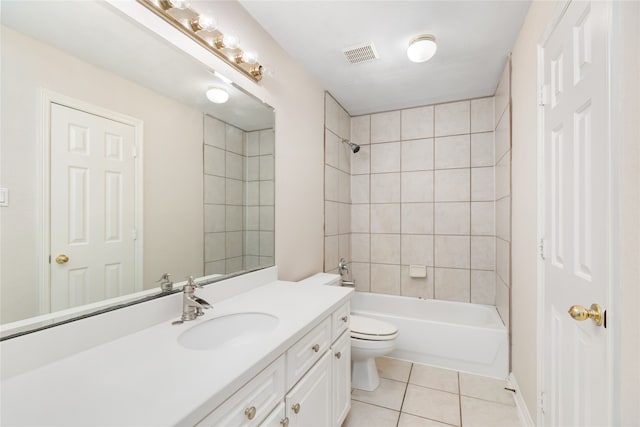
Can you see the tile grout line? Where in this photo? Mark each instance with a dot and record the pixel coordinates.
(404, 396)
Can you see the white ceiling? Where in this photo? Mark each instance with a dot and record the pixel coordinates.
(474, 39)
(112, 41)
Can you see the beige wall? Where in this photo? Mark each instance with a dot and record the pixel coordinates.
(524, 200)
(173, 219)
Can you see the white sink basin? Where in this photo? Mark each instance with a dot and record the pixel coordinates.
(231, 329)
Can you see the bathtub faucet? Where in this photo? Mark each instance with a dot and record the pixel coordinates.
(342, 266)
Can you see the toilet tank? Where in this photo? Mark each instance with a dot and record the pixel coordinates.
(322, 279)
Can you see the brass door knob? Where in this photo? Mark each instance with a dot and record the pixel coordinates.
(338, 355)
(316, 348)
(578, 312)
(296, 408)
(62, 259)
(285, 422)
(250, 412)
(344, 319)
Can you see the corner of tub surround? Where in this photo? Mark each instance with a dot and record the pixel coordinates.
(24, 353)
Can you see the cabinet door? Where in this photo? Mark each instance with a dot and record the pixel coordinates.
(341, 377)
(309, 402)
(276, 418)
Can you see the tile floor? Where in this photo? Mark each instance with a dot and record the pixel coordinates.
(415, 395)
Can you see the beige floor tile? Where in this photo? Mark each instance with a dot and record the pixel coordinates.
(393, 369)
(389, 394)
(433, 404)
(429, 376)
(485, 388)
(365, 415)
(408, 420)
(482, 413)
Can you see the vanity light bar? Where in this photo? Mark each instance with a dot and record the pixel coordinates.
(180, 15)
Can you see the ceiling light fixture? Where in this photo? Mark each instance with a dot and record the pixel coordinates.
(422, 48)
(217, 95)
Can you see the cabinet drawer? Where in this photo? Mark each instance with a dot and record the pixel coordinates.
(253, 402)
(340, 320)
(303, 354)
(276, 418)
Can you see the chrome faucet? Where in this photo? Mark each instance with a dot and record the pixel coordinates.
(342, 266)
(192, 306)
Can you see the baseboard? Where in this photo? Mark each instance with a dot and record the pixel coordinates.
(523, 411)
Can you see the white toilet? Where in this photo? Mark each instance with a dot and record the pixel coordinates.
(370, 338)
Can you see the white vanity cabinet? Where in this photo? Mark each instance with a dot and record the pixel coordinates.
(309, 402)
(341, 378)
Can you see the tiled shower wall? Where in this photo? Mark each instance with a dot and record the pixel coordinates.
(337, 190)
(422, 193)
(238, 198)
(503, 193)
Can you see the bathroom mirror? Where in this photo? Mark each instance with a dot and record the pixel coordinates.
(116, 168)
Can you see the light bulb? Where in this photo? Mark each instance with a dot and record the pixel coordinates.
(206, 23)
(422, 48)
(217, 95)
(230, 42)
(250, 57)
(179, 4)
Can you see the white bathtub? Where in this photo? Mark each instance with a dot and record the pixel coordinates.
(454, 335)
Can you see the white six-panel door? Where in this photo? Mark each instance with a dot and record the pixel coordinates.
(577, 216)
(92, 213)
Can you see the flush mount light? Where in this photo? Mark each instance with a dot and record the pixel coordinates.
(217, 95)
(422, 48)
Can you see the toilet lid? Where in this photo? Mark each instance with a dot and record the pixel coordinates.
(371, 329)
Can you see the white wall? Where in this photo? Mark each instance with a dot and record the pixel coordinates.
(524, 200)
(173, 219)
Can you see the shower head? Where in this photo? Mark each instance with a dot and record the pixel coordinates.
(354, 147)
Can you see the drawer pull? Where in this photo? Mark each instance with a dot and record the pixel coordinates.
(338, 355)
(296, 408)
(344, 318)
(250, 412)
(316, 348)
(285, 422)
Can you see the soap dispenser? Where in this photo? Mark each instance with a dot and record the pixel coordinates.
(166, 284)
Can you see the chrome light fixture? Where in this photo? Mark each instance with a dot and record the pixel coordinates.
(422, 48)
(204, 30)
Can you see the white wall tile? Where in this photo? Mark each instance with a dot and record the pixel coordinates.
(344, 187)
(453, 152)
(267, 193)
(452, 284)
(385, 218)
(452, 251)
(215, 267)
(385, 187)
(344, 246)
(214, 189)
(452, 118)
(267, 243)
(345, 156)
(214, 132)
(252, 169)
(267, 168)
(331, 144)
(233, 265)
(344, 123)
(361, 130)
(344, 218)
(421, 287)
(416, 249)
(234, 191)
(234, 218)
(331, 113)
(214, 246)
(252, 220)
(417, 155)
(385, 127)
(214, 218)
(360, 218)
(361, 161)
(360, 247)
(417, 218)
(482, 219)
(385, 248)
(483, 252)
(503, 177)
(483, 287)
(251, 262)
(234, 244)
(234, 166)
(453, 218)
(482, 116)
(502, 301)
(482, 184)
(252, 143)
(331, 252)
(417, 123)
(503, 218)
(503, 263)
(482, 146)
(252, 242)
(417, 186)
(235, 139)
(502, 93)
(359, 188)
(385, 279)
(452, 185)
(267, 218)
(332, 184)
(385, 157)
(360, 272)
(252, 196)
(503, 136)
(214, 161)
(267, 142)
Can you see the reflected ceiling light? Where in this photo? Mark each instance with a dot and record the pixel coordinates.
(422, 48)
(217, 95)
(179, 4)
(246, 57)
(205, 23)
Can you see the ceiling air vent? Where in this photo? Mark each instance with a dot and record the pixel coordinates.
(361, 53)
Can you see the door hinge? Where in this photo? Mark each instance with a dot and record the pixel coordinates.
(543, 95)
(542, 249)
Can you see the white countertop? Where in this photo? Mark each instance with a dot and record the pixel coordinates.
(147, 378)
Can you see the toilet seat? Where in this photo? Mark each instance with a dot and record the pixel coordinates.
(365, 328)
